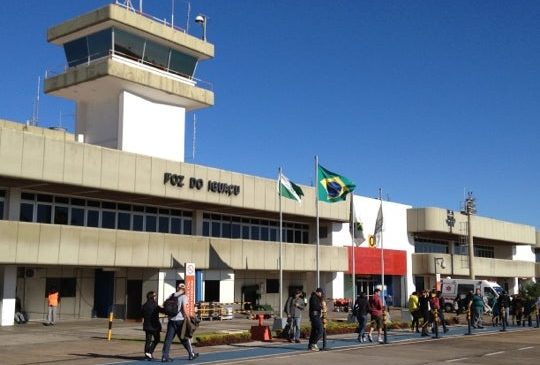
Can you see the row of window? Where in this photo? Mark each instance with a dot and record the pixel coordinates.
(2, 199)
(218, 225)
(129, 45)
(422, 245)
(44, 208)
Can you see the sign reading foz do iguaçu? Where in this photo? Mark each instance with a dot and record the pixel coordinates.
(198, 184)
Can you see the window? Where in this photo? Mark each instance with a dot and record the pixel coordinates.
(44, 208)
(216, 225)
(484, 251)
(76, 51)
(2, 198)
(129, 45)
(156, 54)
(61, 214)
(27, 212)
(272, 286)
(99, 44)
(422, 245)
(44, 213)
(182, 63)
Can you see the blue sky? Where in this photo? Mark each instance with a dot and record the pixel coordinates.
(424, 99)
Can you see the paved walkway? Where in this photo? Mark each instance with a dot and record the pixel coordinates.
(262, 350)
(84, 342)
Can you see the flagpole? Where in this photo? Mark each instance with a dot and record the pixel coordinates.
(317, 213)
(382, 252)
(280, 249)
(353, 218)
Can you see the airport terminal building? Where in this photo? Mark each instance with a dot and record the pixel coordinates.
(112, 211)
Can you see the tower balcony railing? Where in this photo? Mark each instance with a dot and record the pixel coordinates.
(133, 61)
(127, 5)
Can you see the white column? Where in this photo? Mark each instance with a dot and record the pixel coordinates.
(8, 285)
(167, 283)
(515, 288)
(338, 286)
(13, 204)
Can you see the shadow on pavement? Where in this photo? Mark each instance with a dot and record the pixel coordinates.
(107, 356)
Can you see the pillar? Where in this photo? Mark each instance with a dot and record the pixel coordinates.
(8, 286)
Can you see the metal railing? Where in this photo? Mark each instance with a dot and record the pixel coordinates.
(149, 16)
(94, 58)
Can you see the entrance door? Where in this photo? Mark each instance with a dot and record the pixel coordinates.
(211, 290)
(134, 299)
(365, 285)
(103, 292)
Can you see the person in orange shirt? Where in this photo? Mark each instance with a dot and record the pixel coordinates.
(53, 298)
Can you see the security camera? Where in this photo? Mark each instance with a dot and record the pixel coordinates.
(443, 265)
(200, 19)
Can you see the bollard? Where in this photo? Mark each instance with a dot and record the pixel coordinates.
(435, 322)
(468, 322)
(109, 332)
(504, 318)
(385, 333)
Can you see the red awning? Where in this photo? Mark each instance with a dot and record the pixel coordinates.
(368, 261)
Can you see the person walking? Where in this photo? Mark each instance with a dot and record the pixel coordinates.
(423, 304)
(518, 308)
(174, 327)
(537, 311)
(151, 324)
(362, 309)
(53, 299)
(478, 309)
(414, 309)
(294, 308)
(315, 313)
(504, 307)
(442, 304)
(377, 308)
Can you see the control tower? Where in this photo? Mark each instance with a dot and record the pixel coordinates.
(132, 78)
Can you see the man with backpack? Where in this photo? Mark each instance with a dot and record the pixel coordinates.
(294, 308)
(176, 315)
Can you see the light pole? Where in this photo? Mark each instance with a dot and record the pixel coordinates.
(469, 210)
(440, 261)
(201, 19)
(450, 220)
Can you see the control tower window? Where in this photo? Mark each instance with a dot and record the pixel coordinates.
(182, 63)
(76, 51)
(99, 44)
(128, 45)
(157, 55)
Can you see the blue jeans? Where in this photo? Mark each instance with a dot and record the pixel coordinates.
(173, 329)
(362, 321)
(295, 328)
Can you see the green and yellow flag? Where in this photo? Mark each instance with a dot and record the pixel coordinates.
(333, 187)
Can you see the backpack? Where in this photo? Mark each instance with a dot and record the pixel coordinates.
(170, 306)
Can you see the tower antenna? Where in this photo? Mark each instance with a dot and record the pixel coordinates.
(35, 109)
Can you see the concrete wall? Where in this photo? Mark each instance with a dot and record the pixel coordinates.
(46, 244)
(457, 265)
(434, 220)
(55, 160)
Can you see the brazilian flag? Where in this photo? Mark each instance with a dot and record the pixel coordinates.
(333, 187)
